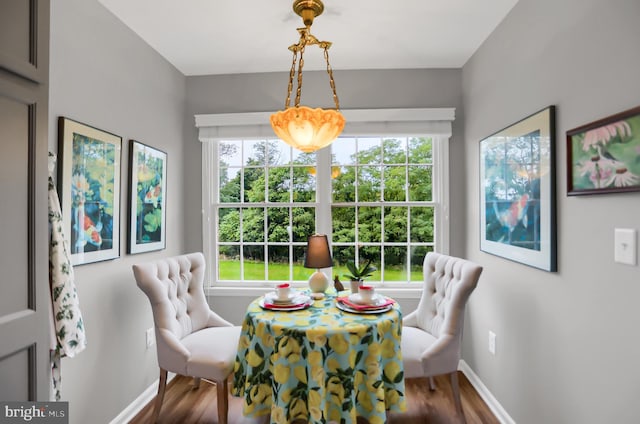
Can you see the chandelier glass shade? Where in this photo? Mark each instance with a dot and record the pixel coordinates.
(305, 128)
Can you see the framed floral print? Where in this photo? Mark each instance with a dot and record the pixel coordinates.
(517, 192)
(147, 198)
(604, 156)
(89, 186)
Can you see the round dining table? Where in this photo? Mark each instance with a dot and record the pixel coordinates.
(320, 364)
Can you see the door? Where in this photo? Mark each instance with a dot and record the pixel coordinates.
(24, 281)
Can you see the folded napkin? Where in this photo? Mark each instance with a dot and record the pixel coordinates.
(359, 307)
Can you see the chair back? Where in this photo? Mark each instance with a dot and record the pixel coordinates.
(448, 283)
(174, 287)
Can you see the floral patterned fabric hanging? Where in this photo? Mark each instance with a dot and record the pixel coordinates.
(67, 317)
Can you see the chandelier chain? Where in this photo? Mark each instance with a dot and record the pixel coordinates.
(332, 83)
(292, 72)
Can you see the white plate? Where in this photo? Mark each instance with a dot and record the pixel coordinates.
(273, 307)
(296, 298)
(346, 308)
(375, 300)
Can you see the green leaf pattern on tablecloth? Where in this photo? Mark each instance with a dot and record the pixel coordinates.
(320, 364)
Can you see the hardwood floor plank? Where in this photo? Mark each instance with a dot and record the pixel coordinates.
(185, 405)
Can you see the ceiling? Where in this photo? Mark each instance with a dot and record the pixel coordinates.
(201, 37)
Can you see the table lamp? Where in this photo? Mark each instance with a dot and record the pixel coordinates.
(318, 256)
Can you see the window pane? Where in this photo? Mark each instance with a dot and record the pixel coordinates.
(228, 225)
(421, 224)
(373, 253)
(342, 254)
(304, 223)
(229, 263)
(369, 178)
(302, 157)
(300, 273)
(344, 185)
(254, 184)
(280, 184)
(229, 153)
(344, 224)
(420, 150)
(278, 263)
(394, 151)
(369, 228)
(369, 151)
(229, 184)
(395, 263)
(420, 183)
(278, 153)
(395, 224)
(278, 225)
(254, 152)
(253, 225)
(417, 260)
(343, 151)
(254, 264)
(304, 184)
(395, 183)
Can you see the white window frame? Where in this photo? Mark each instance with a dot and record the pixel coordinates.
(433, 122)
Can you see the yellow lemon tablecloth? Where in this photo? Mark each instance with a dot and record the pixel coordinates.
(320, 364)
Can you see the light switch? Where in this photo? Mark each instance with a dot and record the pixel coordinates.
(625, 246)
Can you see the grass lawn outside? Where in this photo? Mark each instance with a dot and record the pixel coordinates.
(255, 271)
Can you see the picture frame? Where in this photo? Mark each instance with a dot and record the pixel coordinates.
(517, 192)
(89, 187)
(147, 198)
(604, 156)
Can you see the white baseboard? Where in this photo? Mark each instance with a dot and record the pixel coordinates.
(140, 402)
(485, 394)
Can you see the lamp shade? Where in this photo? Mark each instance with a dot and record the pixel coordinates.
(307, 129)
(318, 254)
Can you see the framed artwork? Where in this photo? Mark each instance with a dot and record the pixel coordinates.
(147, 198)
(89, 187)
(604, 156)
(517, 192)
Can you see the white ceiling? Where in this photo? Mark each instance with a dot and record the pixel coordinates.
(201, 37)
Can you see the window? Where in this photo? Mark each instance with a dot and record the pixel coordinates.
(379, 197)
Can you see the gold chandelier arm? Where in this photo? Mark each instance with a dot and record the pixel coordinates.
(292, 72)
(332, 82)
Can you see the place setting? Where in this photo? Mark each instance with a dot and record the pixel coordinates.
(365, 301)
(285, 298)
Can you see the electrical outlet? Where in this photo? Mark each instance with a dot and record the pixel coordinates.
(492, 342)
(150, 337)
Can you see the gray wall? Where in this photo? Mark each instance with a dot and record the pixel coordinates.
(103, 75)
(567, 346)
(357, 90)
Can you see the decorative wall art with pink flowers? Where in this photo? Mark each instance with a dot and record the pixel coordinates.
(604, 156)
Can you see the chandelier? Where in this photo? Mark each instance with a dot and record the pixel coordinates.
(302, 127)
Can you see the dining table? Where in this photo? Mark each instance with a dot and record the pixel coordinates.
(320, 363)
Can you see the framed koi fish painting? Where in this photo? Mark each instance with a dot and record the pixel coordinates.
(517, 192)
(147, 198)
(89, 187)
(604, 156)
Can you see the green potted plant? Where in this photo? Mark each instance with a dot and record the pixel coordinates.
(358, 274)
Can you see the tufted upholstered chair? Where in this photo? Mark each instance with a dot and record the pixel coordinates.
(432, 334)
(191, 339)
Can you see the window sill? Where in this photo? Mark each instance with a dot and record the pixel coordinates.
(230, 291)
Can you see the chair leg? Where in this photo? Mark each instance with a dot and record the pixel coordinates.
(223, 401)
(455, 387)
(196, 382)
(162, 384)
(432, 384)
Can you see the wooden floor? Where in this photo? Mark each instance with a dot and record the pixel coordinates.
(186, 406)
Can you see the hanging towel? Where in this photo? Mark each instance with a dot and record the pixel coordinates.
(66, 316)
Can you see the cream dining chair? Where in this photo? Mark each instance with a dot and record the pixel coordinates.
(432, 334)
(191, 339)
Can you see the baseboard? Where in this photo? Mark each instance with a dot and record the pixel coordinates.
(485, 394)
(140, 402)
